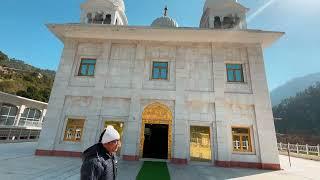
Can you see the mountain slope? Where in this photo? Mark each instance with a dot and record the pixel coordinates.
(25, 80)
(292, 87)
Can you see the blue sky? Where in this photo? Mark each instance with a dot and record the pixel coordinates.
(23, 34)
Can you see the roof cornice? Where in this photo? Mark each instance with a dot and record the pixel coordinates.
(199, 35)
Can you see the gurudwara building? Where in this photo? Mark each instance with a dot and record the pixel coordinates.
(174, 93)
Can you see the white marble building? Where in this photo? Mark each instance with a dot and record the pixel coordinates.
(20, 118)
(175, 93)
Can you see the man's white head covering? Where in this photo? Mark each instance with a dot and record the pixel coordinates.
(110, 135)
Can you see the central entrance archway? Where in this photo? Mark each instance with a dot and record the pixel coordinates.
(156, 132)
(155, 141)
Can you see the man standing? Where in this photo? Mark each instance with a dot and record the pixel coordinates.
(99, 161)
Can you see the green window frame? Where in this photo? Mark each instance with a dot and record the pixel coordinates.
(87, 67)
(235, 73)
(160, 70)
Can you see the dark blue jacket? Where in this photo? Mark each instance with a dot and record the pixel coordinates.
(98, 164)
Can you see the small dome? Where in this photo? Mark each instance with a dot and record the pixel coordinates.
(164, 21)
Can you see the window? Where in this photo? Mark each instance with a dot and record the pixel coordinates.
(107, 20)
(87, 67)
(98, 19)
(160, 70)
(8, 115)
(74, 130)
(241, 140)
(235, 73)
(89, 18)
(217, 22)
(200, 146)
(30, 117)
(228, 22)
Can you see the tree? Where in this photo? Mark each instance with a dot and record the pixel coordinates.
(3, 57)
(300, 114)
(25, 80)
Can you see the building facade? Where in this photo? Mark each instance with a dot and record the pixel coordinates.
(174, 93)
(20, 118)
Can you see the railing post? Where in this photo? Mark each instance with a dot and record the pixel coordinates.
(8, 138)
(280, 146)
(29, 134)
(307, 149)
(318, 149)
(288, 150)
(18, 138)
(297, 146)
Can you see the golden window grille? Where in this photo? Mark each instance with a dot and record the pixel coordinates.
(74, 130)
(241, 139)
(200, 143)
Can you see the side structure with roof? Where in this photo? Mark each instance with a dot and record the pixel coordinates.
(21, 118)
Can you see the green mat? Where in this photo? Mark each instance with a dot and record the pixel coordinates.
(154, 171)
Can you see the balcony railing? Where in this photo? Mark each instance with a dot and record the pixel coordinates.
(10, 122)
(15, 134)
(30, 124)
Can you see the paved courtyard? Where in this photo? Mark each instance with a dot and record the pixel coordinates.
(18, 162)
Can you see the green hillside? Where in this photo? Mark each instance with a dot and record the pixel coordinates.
(300, 114)
(25, 80)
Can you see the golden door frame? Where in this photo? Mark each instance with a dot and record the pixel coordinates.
(156, 113)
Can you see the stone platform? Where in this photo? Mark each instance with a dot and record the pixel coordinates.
(17, 161)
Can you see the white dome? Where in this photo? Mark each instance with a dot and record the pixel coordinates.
(164, 21)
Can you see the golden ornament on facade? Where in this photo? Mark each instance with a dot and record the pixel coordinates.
(158, 112)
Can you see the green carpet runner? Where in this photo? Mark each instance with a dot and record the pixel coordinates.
(154, 171)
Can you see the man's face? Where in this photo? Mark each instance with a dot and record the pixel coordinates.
(112, 146)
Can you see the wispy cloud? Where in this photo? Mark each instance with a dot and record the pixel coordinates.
(260, 10)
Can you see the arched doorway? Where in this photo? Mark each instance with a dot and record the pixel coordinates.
(156, 132)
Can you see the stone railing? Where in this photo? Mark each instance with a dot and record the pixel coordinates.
(300, 149)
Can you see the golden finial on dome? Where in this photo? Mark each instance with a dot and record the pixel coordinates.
(165, 11)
